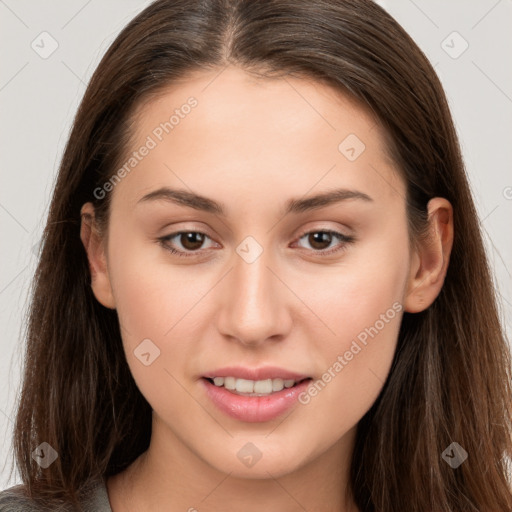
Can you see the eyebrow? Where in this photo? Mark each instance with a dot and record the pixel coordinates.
(198, 202)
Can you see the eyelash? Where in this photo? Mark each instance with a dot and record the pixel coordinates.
(346, 239)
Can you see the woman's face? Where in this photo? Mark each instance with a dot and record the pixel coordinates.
(259, 292)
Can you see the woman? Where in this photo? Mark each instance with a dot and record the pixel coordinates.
(263, 283)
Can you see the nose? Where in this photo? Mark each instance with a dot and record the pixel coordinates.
(254, 302)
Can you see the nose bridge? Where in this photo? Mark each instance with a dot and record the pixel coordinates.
(254, 306)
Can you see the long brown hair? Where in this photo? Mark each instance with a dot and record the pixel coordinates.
(450, 378)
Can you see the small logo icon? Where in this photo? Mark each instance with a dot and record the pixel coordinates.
(249, 249)
(454, 45)
(44, 45)
(44, 455)
(249, 454)
(454, 455)
(351, 147)
(146, 352)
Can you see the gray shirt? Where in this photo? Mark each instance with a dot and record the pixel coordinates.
(14, 499)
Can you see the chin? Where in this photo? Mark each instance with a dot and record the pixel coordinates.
(257, 459)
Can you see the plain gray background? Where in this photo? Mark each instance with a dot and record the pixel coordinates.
(39, 95)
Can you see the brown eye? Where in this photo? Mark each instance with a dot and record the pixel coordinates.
(191, 240)
(320, 239)
(184, 243)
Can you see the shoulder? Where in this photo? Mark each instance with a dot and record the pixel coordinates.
(14, 499)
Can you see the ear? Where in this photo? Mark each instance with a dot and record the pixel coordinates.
(430, 260)
(94, 247)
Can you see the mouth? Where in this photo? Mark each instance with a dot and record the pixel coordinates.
(255, 388)
(254, 396)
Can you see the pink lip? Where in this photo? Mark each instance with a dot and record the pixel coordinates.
(267, 372)
(254, 409)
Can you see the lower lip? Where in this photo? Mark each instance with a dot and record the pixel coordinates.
(254, 409)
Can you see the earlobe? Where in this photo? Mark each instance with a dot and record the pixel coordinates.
(94, 247)
(430, 261)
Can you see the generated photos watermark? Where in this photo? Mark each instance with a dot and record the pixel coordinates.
(157, 135)
(356, 347)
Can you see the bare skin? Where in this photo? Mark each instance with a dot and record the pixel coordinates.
(253, 145)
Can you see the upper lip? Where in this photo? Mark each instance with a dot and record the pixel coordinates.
(266, 372)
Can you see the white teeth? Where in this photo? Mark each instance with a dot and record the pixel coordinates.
(258, 387)
(244, 386)
(229, 382)
(277, 384)
(263, 386)
(218, 381)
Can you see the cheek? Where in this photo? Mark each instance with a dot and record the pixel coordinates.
(161, 301)
(153, 302)
(151, 294)
(353, 295)
(362, 305)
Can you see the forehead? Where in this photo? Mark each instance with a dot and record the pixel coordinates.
(238, 134)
